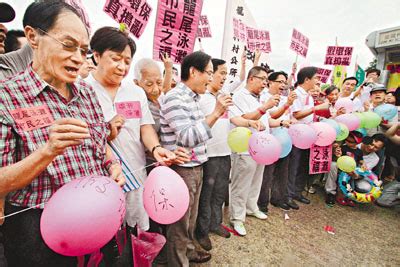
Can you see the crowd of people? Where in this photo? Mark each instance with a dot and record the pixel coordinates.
(60, 94)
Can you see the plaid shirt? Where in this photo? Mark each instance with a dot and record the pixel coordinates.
(183, 124)
(27, 90)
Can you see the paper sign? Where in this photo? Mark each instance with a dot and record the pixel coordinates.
(338, 55)
(320, 159)
(129, 109)
(176, 28)
(299, 43)
(135, 14)
(204, 30)
(33, 117)
(258, 39)
(324, 74)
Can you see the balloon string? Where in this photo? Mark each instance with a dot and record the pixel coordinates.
(20, 211)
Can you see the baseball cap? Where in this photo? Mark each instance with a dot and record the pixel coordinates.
(378, 87)
(7, 13)
(357, 136)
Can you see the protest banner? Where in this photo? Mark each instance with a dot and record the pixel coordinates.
(299, 43)
(176, 28)
(338, 55)
(324, 74)
(237, 18)
(204, 30)
(320, 159)
(258, 39)
(134, 14)
(359, 74)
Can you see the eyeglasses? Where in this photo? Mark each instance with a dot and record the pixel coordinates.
(281, 82)
(261, 78)
(209, 72)
(68, 47)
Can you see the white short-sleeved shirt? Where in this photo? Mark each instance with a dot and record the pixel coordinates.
(304, 101)
(128, 140)
(357, 105)
(246, 102)
(217, 146)
(265, 95)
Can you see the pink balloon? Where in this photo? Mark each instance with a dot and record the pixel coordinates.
(165, 196)
(303, 136)
(345, 103)
(264, 148)
(350, 120)
(83, 215)
(326, 134)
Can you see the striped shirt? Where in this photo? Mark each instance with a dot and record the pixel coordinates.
(183, 124)
(27, 90)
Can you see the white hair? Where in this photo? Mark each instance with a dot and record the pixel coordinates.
(143, 64)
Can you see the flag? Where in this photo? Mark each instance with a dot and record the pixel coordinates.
(360, 75)
(339, 74)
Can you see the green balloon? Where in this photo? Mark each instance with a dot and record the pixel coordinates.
(238, 139)
(361, 117)
(346, 163)
(371, 119)
(344, 132)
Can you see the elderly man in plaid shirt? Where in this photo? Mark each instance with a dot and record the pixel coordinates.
(52, 130)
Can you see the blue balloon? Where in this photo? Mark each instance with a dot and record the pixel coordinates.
(284, 139)
(334, 124)
(386, 111)
(363, 131)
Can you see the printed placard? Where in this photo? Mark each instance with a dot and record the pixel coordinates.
(320, 159)
(129, 109)
(32, 118)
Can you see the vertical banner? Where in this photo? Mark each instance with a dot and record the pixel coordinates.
(237, 18)
(299, 43)
(324, 74)
(258, 39)
(320, 159)
(338, 75)
(135, 14)
(176, 28)
(338, 55)
(204, 30)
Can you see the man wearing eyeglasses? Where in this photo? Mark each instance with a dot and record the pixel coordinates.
(52, 130)
(276, 175)
(184, 124)
(246, 178)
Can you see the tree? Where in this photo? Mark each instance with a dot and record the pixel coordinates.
(372, 65)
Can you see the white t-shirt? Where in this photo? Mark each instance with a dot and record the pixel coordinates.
(246, 102)
(304, 101)
(265, 95)
(217, 146)
(357, 105)
(128, 140)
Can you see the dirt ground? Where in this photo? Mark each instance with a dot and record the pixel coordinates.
(366, 235)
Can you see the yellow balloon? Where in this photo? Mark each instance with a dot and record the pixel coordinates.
(238, 139)
(346, 163)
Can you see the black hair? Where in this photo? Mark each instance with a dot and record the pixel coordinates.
(274, 75)
(378, 72)
(256, 70)
(43, 14)
(197, 60)
(11, 43)
(217, 62)
(397, 96)
(173, 68)
(380, 137)
(330, 89)
(351, 78)
(307, 72)
(110, 38)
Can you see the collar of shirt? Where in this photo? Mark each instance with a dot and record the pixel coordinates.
(301, 90)
(186, 89)
(34, 78)
(252, 94)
